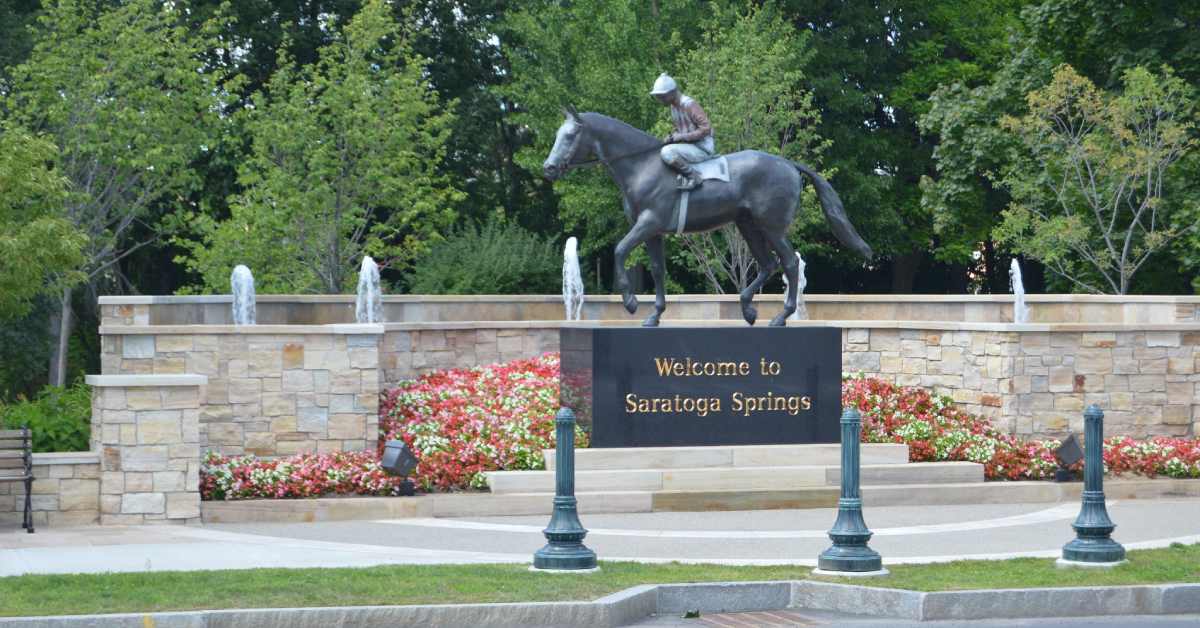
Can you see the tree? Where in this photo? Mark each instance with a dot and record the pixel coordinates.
(122, 91)
(41, 250)
(1088, 185)
(747, 71)
(1101, 41)
(343, 164)
(598, 55)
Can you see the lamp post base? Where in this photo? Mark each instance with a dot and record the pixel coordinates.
(554, 557)
(1094, 550)
(843, 559)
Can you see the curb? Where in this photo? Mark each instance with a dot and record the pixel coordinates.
(1151, 599)
(637, 603)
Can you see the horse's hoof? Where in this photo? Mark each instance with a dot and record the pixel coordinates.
(779, 321)
(651, 321)
(750, 314)
(631, 304)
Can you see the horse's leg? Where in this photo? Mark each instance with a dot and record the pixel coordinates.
(658, 269)
(645, 228)
(791, 268)
(754, 238)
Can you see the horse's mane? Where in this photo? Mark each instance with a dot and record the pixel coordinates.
(614, 127)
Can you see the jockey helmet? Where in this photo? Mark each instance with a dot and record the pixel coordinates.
(664, 84)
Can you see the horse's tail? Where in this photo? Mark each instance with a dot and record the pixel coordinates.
(835, 214)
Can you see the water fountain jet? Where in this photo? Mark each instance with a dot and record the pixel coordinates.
(1020, 310)
(572, 281)
(242, 284)
(801, 313)
(368, 305)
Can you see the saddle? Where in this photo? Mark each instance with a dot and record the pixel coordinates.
(715, 168)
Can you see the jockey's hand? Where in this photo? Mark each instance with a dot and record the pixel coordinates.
(670, 138)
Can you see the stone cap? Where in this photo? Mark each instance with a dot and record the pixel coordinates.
(146, 381)
(67, 457)
(672, 298)
(337, 329)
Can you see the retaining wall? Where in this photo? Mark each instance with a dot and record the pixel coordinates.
(278, 390)
(272, 389)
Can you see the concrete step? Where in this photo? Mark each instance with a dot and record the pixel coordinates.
(726, 456)
(735, 478)
(475, 504)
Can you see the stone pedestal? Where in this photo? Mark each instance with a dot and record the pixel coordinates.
(146, 429)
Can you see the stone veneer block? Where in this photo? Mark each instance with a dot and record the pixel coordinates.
(135, 347)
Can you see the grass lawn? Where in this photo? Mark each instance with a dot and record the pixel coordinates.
(266, 588)
(1178, 563)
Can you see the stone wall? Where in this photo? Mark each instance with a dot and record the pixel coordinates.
(66, 491)
(283, 389)
(1037, 383)
(146, 429)
(272, 390)
(408, 351)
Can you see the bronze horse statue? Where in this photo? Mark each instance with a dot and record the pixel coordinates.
(760, 198)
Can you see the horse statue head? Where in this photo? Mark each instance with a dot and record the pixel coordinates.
(572, 146)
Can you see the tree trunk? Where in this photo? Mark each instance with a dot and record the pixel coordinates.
(61, 329)
(904, 272)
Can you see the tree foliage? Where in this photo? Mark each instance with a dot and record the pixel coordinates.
(1090, 180)
(41, 250)
(343, 164)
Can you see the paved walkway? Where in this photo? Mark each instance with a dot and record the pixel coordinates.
(902, 534)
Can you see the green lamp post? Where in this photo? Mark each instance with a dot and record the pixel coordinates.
(1093, 545)
(849, 555)
(564, 550)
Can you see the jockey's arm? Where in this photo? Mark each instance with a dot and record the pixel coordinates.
(700, 119)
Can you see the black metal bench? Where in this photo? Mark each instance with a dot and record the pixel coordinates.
(16, 465)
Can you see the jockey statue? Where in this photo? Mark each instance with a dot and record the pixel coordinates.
(692, 140)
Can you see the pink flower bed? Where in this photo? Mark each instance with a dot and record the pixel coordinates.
(935, 429)
(461, 423)
(305, 475)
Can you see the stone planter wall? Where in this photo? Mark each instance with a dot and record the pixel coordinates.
(410, 350)
(283, 389)
(272, 389)
(1036, 382)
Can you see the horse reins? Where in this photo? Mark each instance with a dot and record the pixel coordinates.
(605, 160)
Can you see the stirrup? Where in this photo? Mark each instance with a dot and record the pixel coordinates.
(687, 183)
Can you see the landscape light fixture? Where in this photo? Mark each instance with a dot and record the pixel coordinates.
(1067, 455)
(399, 460)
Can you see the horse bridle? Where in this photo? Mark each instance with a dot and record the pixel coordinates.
(600, 160)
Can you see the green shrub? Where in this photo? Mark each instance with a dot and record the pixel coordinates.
(500, 258)
(60, 418)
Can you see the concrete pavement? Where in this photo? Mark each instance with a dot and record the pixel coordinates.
(903, 534)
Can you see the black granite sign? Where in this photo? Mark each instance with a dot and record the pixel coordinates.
(678, 386)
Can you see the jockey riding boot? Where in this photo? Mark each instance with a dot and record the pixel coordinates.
(689, 179)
